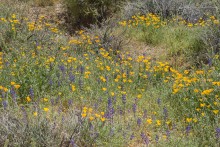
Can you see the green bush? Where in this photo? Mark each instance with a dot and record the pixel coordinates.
(86, 12)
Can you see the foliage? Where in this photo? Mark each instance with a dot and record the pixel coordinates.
(86, 12)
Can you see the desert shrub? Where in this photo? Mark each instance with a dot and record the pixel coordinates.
(86, 12)
(164, 8)
(189, 10)
(110, 39)
(211, 38)
(43, 3)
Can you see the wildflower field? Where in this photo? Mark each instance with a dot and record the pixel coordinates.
(82, 90)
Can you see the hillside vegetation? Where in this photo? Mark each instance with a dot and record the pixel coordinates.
(109, 73)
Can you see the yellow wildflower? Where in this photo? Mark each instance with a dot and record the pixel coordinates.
(215, 111)
(149, 121)
(13, 83)
(97, 115)
(73, 88)
(158, 122)
(139, 96)
(35, 113)
(46, 99)
(91, 118)
(102, 113)
(46, 109)
(102, 119)
(207, 92)
(202, 105)
(196, 90)
(83, 115)
(104, 89)
(188, 120)
(28, 99)
(17, 86)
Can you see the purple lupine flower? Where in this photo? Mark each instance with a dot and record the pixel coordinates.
(95, 106)
(145, 114)
(107, 79)
(3, 94)
(81, 69)
(63, 119)
(110, 109)
(217, 133)
(25, 117)
(70, 102)
(71, 77)
(124, 99)
(210, 61)
(13, 94)
(128, 74)
(59, 83)
(7, 63)
(109, 103)
(158, 101)
(188, 128)
(50, 82)
(134, 108)
(120, 110)
(31, 92)
(52, 102)
(168, 134)
(62, 68)
(132, 136)
(57, 99)
(139, 122)
(118, 57)
(145, 138)
(129, 110)
(5, 104)
(80, 83)
(72, 143)
(157, 138)
(165, 112)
